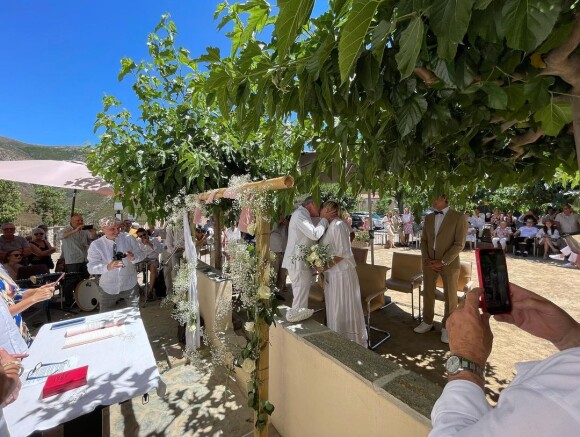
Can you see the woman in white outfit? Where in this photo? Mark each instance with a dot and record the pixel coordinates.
(344, 312)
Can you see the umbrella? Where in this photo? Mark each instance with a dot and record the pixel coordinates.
(73, 175)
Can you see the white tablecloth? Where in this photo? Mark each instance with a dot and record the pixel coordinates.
(120, 368)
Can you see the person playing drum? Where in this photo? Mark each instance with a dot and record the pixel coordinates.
(113, 256)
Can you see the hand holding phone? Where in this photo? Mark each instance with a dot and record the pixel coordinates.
(493, 278)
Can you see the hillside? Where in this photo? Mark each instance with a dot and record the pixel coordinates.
(92, 205)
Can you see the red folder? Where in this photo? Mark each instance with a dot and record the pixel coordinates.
(64, 381)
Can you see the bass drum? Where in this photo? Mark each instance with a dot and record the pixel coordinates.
(87, 294)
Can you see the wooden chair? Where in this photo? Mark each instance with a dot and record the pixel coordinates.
(372, 293)
(464, 282)
(360, 254)
(406, 276)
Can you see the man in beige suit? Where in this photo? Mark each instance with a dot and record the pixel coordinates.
(443, 238)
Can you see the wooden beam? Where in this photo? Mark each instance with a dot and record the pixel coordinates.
(281, 183)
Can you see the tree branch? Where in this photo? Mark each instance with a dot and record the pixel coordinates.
(518, 143)
(426, 76)
(560, 54)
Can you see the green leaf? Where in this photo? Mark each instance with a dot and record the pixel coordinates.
(353, 34)
(529, 22)
(410, 46)
(320, 56)
(537, 91)
(489, 23)
(554, 117)
(496, 96)
(450, 18)
(379, 38)
(481, 4)
(556, 38)
(212, 55)
(268, 407)
(293, 15)
(127, 65)
(410, 114)
(444, 71)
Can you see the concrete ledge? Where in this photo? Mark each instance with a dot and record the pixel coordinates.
(325, 385)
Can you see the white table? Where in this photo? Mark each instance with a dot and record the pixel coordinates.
(120, 368)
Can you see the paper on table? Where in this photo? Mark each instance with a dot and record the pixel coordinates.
(93, 326)
(41, 371)
(92, 336)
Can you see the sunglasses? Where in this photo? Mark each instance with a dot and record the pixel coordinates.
(9, 229)
(19, 255)
(39, 233)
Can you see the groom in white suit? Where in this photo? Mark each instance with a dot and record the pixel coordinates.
(301, 231)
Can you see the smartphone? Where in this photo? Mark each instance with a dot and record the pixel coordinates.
(493, 278)
(87, 227)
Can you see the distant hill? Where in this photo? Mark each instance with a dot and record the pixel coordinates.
(92, 205)
(13, 150)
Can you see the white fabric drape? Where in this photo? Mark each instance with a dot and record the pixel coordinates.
(192, 338)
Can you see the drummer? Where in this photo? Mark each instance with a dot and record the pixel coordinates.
(113, 256)
(153, 248)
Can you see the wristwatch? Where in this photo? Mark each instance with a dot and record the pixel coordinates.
(456, 364)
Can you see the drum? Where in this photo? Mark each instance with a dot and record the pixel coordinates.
(87, 294)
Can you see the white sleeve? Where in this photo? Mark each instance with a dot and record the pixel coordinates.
(306, 226)
(169, 240)
(462, 404)
(136, 249)
(97, 265)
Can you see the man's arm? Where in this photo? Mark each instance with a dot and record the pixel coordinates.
(72, 231)
(424, 244)
(138, 254)
(458, 241)
(305, 225)
(97, 265)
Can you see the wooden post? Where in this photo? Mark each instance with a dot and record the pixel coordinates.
(217, 239)
(263, 364)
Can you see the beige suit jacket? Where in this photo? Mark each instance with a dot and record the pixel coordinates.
(450, 239)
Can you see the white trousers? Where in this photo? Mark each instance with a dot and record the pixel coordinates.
(301, 282)
(573, 256)
(501, 241)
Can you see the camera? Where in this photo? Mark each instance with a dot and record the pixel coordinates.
(118, 256)
(87, 227)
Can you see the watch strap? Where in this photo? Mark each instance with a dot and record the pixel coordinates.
(470, 366)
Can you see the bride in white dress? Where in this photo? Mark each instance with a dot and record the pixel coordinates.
(344, 311)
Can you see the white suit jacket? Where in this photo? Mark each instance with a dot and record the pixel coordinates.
(301, 231)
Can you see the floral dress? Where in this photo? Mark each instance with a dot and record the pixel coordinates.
(12, 294)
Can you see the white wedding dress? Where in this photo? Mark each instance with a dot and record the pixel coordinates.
(344, 312)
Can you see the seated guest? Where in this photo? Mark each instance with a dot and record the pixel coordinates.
(41, 249)
(551, 213)
(495, 219)
(9, 241)
(200, 237)
(573, 258)
(530, 215)
(568, 222)
(19, 300)
(501, 235)
(471, 232)
(510, 220)
(12, 263)
(526, 234)
(152, 248)
(477, 221)
(548, 237)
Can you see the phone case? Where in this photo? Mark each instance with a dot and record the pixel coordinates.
(480, 278)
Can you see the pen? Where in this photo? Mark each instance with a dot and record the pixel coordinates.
(67, 323)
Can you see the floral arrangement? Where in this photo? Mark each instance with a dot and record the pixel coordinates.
(316, 256)
(362, 236)
(184, 310)
(253, 278)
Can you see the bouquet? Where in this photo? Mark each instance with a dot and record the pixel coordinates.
(316, 256)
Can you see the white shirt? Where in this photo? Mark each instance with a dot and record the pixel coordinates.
(542, 400)
(175, 238)
(101, 253)
(151, 252)
(301, 232)
(438, 220)
(476, 221)
(233, 234)
(528, 231)
(569, 223)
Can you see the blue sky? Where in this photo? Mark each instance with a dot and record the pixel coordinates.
(59, 57)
